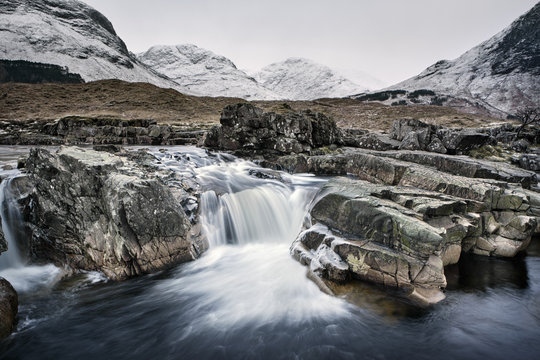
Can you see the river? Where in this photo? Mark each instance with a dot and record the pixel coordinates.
(247, 298)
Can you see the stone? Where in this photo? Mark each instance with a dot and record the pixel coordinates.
(463, 140)
(410, 142)
(9, 303)
(436, 146)
(246, 128)
(90, 211)
(376, 141)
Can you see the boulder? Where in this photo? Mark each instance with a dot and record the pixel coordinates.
(9, 303)
(245, 127)
(463, 140)
(90, 210)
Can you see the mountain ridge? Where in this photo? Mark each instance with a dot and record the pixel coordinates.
(500, 73)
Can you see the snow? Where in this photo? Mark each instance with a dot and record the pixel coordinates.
(64, 33)
(204, 73)
(303, 79)
(471, 77)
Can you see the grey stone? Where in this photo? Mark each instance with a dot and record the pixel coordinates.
(90, 210)
(247, 128)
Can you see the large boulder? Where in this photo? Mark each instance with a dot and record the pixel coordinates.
(95, 210)
(8, 308)
(245, 127)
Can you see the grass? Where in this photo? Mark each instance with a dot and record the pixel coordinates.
(124, 100)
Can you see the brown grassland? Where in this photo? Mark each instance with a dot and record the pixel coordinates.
(119, 99)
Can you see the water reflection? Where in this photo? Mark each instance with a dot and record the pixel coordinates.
(480, 273)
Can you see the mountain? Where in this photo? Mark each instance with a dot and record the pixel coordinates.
(502, 74)
(303, 79)
(203, 73)
(70, 34)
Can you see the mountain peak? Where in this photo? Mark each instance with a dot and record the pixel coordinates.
(302, 79)
(203, 72)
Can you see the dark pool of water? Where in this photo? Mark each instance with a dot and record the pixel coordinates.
(492, 310)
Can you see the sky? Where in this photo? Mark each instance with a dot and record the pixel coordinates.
(390, 40)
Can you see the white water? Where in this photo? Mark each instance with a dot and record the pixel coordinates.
(250, 217)
(10, 219)
(248, 275)
(13, 266)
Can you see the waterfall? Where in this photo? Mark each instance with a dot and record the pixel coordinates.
(252, 210)
(11, 222)
(13, 266)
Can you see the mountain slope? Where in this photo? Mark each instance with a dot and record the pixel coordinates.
(303, 79)
(502, 73)
(70, 34)
(202, 72)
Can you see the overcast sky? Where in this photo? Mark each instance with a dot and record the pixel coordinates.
(389, 39)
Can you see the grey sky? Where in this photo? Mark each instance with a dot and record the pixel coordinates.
(389, 39)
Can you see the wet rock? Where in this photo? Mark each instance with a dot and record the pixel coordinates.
(3, 243)
(245, 127)
(402, 236)
(9, 304)
(98, 211)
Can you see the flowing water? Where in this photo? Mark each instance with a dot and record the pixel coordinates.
(247, 298)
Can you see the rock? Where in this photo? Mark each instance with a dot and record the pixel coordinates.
(96, 130)
(9, 303)
(90, 211)
(402, 236)
(3, 242)
(376, 141)
(245, 127)
(527, 161)
(410, 142)
(436, 146)
(460, 141)
(463, 166)
(403, 127)
(521, 145)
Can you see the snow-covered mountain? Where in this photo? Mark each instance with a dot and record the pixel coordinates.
(502, 73)
(203, 72)
(70, 34)
(303, 79)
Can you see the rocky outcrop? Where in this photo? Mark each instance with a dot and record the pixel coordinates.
(417, 135)
(9, 303)
(403, 236)
(95, 210)
(82, 130)
(246, 128)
